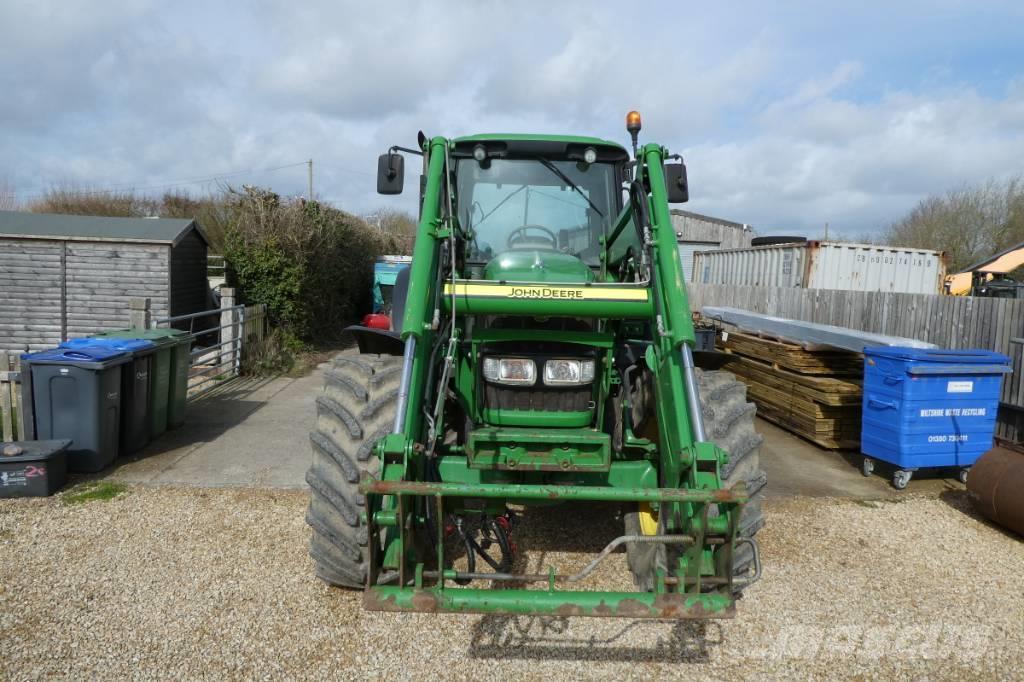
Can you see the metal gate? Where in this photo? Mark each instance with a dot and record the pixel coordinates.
(219, 339)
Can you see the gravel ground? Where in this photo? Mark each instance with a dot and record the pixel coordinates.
(207, 583)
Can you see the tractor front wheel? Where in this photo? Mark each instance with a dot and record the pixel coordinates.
(729, 423)
(355, 410)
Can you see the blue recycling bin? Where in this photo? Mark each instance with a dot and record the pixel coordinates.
(135, 387)
(76, 394)
(927, 407)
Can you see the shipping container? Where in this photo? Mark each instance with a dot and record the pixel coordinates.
(825, 265)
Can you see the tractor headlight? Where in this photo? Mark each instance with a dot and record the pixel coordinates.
(568, 372)
(514, 371)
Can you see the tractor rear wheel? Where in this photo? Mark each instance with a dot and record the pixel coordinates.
(355, 410)
(729, 423)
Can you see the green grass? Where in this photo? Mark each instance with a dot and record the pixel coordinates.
(94, 492)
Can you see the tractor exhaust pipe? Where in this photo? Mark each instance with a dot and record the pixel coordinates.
(403, 387)
(994, 485)
(692, 396)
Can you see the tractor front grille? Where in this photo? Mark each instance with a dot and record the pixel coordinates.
(538, 397)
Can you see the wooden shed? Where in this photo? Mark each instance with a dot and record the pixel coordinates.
(66, 276)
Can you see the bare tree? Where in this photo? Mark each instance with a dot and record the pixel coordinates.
(8, 197)
(970, 223)
(393, 221)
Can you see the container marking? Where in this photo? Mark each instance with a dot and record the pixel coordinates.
(955, 412)
(951, 438)
(960, 387)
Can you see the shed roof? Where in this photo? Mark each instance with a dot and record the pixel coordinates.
(19, 224)
(710, 219)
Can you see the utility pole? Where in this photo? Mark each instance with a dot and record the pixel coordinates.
(826, 224)
(310, 165)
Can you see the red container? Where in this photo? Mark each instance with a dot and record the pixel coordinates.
(377, 321)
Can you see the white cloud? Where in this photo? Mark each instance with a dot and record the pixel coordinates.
(857, 166)
(789, 118)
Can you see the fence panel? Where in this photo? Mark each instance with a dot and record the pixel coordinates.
(947, 321)
(11, 412)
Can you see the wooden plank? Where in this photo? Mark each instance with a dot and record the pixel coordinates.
(83, 295)
(6, 408)
(28, 419)
(99, 255)
(38, 249)
(29, 270)
(792, 356)
(19, 411)
(116, 275)
(848, 443)
(22, 327)
(119, 264)
(826, 390)
(24, 288)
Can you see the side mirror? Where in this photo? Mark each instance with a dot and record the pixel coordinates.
(675, 183)
(390, 173)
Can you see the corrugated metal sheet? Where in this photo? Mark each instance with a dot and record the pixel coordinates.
(825, 265)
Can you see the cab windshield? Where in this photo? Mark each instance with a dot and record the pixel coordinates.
(513, 204)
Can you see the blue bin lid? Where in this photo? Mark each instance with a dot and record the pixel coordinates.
(969, 356)
(81, 355)
(122, 345)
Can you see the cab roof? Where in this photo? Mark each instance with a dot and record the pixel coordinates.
(528, 137)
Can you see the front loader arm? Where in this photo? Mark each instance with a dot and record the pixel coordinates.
(421, 299)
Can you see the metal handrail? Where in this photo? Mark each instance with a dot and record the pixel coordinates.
(192, 316)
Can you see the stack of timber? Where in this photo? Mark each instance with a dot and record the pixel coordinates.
(814, 392)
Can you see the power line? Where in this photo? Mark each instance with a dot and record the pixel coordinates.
(178, 183)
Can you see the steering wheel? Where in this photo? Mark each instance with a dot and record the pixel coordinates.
(514, 238)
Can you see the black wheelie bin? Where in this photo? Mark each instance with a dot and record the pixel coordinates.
(76, 394)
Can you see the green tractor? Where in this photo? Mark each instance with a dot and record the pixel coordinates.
(541, 353)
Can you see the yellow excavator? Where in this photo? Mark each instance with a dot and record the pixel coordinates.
(990, 277)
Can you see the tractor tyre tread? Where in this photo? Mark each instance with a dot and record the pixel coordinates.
(355, 410)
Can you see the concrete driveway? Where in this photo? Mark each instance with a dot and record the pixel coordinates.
(250, 433)
(253, 433)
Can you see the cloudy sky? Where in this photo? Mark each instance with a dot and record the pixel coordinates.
(788, 118)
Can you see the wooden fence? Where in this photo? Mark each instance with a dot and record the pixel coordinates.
(254, 328)
(946, 321)
(11, 413)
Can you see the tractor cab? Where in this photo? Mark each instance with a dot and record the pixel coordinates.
(535, 209)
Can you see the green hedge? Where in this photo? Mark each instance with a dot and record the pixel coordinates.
(312, 265)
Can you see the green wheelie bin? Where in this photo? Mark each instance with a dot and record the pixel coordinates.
(180, 363)
(160, 373)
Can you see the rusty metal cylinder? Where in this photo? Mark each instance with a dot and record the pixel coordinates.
(995, 485)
